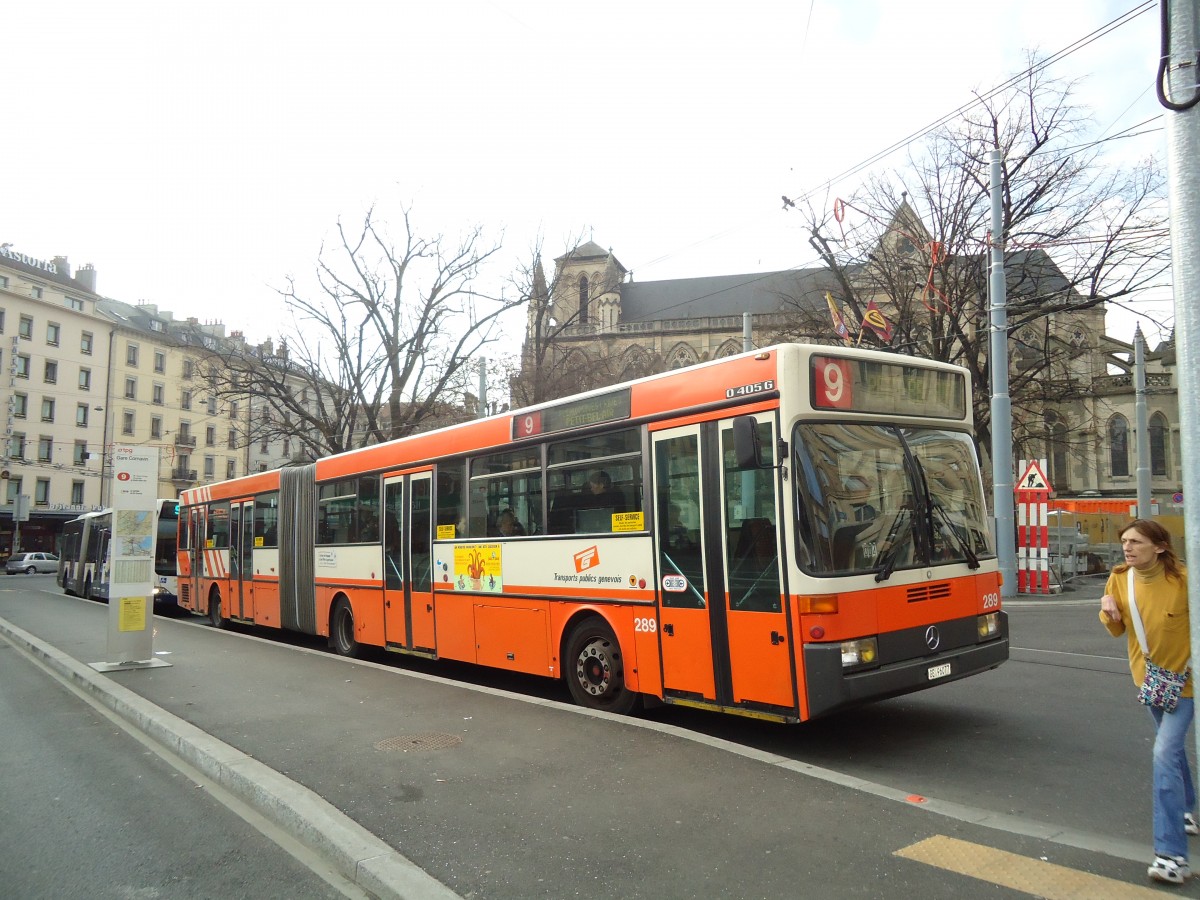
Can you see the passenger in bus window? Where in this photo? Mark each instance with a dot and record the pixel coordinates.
(599, 493)
(507, 524)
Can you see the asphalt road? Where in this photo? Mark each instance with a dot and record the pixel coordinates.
(89, 811)
(540, 800)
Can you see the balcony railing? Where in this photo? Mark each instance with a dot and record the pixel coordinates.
(185, 440)
(183, 474)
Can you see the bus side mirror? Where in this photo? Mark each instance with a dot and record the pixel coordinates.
(747, 446)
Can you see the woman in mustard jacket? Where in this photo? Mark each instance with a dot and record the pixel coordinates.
(1160, 588)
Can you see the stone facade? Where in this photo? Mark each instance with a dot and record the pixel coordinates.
(599, 322)
(54, 365)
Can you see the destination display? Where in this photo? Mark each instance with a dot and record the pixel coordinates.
(610, 407)
(871, 386)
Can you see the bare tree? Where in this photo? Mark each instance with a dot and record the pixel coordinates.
(1076, 235)
(380, 348)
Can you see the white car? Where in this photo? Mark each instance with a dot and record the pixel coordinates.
(29, 563)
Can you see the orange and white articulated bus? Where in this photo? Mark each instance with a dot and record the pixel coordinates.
(779, 534)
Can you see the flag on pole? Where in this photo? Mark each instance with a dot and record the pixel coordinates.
(874, 319)
(839, 324)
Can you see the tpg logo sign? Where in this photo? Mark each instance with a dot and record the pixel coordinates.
(586, 559)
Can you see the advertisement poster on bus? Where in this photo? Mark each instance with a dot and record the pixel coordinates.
(477, 567)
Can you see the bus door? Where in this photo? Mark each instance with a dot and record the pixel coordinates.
(722, 623)
(408, 562)
(241, 560)
(196, 529)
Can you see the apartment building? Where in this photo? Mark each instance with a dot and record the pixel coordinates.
(166, 392)
(54, 370)
(80, 373)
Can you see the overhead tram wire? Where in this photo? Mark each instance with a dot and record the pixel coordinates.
(1071, 48)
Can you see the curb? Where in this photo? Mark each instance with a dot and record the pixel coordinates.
(354, 851)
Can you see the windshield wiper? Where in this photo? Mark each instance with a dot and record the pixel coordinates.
(940, 513)
(891, 554)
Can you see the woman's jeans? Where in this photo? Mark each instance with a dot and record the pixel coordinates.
(1174, 792)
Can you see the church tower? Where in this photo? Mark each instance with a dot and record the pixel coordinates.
(587, 289)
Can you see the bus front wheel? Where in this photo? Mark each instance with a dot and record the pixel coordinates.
(341, 629)
(214, 610)
(595, 668)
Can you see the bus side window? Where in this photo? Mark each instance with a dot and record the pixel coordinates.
(368, 510)
(266, 520)
(218, 526)
(562, 511)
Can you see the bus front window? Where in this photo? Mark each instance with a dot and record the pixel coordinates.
(862, 502)
(166, 546)
(960, 525)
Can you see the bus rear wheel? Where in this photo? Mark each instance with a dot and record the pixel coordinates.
(595, 668)
(341, 630)
(214, 610)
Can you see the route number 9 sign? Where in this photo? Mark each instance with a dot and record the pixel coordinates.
(833, 385)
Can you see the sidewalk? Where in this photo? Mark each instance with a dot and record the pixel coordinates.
(418, 787)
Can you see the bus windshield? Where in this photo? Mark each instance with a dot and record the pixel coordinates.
(165, 546)
(880, 498)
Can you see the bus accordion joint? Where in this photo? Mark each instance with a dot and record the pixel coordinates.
(817, 604)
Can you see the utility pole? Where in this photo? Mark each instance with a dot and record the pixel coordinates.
(1179, 92)
(1002, 466)
(6, 462)
(483, 408)
(1142, 419)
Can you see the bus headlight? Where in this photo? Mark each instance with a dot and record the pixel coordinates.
(989, 626)
(859, 653)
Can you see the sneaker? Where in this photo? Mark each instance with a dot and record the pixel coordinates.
(1171, 869)
(1190, 825)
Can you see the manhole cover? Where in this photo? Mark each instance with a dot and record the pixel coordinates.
(430, 741)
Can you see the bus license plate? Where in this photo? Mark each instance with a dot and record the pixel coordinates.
(941, 671)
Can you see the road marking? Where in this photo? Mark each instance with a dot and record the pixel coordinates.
(1054, 603)
(1030, 876)
(1070, 653)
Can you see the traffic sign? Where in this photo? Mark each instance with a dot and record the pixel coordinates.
(1033, 479)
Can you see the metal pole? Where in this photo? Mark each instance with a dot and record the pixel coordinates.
(1002, 473)
(1183, 179)
(747, 333)
(483, 410)
(1142, 417)
(6, 471)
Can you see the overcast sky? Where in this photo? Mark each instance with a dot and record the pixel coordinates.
(199, 153)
